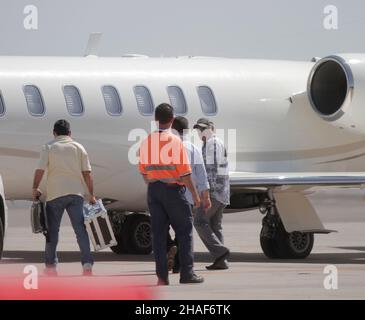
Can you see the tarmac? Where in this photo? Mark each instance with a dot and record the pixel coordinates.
(251, 275)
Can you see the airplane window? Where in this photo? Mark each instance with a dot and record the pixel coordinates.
(73, 100)
(144, 100)
(177, 99)
(2, 105)
(34, 100)
(112, 100)
(207, 101)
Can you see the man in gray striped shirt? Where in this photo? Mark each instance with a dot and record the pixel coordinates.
(209, 224)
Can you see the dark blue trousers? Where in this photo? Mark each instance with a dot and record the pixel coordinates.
(168, 205)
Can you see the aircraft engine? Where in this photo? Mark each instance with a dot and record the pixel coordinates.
(336, 91)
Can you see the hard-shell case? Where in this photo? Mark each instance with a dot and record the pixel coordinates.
(98, 226)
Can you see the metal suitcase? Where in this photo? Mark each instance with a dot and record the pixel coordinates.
(98, 226)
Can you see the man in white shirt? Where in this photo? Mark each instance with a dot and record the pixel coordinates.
(68, 180)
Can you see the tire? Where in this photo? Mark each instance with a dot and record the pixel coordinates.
(295, 245)
(269, 247)
(137, 234)
(298, 245)
(1, 238)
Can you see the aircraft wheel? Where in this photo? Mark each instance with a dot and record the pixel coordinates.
(270, 246)
(1, 238)
(276, 243)
(138, 234)
(298, 245)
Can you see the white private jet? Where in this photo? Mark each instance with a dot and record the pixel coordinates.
(300, 127)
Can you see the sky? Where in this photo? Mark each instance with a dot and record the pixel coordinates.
(267, 29)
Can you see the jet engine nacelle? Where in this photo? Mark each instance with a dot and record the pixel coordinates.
(336, 91)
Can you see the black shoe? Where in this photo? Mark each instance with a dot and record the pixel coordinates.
(219, 263)
(163, 282)
(221, 266)
(192, 279)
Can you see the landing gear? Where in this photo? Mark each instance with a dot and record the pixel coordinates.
(276, 243)
(1, 238)
(132, 232)
(137, 234)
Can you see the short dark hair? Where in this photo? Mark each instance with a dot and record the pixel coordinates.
(164, 113)
(62, 128)
(180, 124)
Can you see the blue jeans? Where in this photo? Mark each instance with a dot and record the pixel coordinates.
(168, 205)
(73, 204)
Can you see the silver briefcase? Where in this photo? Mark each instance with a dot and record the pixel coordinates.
(98, 226)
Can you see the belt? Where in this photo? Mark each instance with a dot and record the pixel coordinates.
(166, 180)
(160, 167)
(169, 185)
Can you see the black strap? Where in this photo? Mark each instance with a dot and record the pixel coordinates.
(215, 155)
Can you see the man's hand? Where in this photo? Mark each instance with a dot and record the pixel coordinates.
(92, 199)
(207, 204)
(38, 175)
(36, 194)
(188, 182)
(88, 178)
(197, 201)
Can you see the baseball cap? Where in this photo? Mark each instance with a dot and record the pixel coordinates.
(203, 124)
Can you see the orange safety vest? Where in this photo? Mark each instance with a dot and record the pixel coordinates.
(162, 157)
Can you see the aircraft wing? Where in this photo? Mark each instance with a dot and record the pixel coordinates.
(289, 191)
(305, 179)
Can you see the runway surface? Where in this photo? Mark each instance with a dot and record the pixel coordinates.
(251, 274)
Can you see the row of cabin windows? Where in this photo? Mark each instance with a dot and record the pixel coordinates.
(113, 104)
